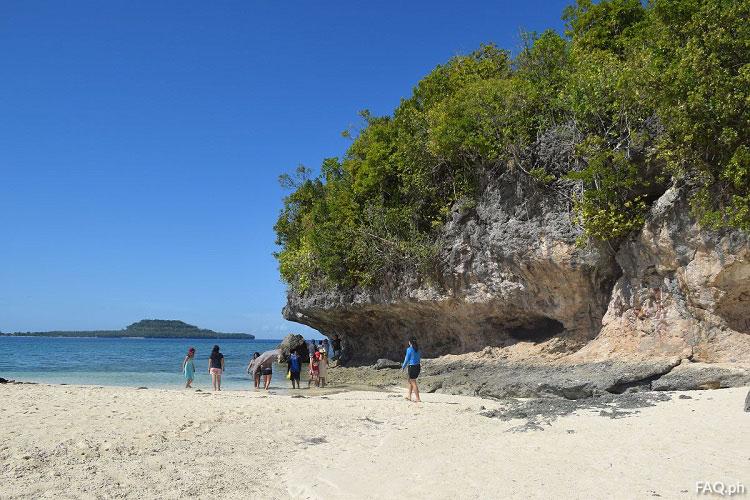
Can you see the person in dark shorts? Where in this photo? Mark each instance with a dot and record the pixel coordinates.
(263, 365)
(267, 372)
(294, 367)
(412, 361)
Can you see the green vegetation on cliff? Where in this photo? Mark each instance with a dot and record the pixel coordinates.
(634, 97)
(149, 328)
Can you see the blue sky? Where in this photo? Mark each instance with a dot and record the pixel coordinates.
(141, 142)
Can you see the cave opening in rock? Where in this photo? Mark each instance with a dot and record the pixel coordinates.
(538, 331)
(734, 308)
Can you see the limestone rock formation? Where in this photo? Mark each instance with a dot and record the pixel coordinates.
(694, 375)
(290, 342)
(685, 291)
(512, 274)
(514, 279)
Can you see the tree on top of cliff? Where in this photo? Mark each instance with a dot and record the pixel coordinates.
(645, 95)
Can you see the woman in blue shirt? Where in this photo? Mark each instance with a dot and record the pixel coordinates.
(412, 359)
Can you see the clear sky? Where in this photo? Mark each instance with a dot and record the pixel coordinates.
(141, 142)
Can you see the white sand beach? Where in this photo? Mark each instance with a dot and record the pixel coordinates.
(103, 442)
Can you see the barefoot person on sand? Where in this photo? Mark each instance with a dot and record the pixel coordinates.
(323, 367)
(311, 349)
(188, 368)
(294, 366)
(256, 376)
(314, 369)
(263, 365)
(216, 367)
(412, 359)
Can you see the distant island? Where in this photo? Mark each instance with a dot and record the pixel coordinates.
(147, 328)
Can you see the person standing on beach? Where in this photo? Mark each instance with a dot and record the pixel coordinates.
(322, 366)
(314, 369)
(311, 348)
(188, 368)
(263, 365)
(412, 361)
(256, 374)
(216, 367)
(294, 368)
(336, 344)
(311, 351)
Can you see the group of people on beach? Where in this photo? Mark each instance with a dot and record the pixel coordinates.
(215, 367)
(317, 358)
(262, 366)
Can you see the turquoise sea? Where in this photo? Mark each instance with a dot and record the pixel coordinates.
(136, 362)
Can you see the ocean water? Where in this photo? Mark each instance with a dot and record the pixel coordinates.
(152, 363)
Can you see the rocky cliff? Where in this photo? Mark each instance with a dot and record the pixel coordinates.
(684, 291)
(514, 279)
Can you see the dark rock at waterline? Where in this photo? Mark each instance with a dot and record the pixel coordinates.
(386, 363)
(500, 380)
(693, 376)
(292, 342)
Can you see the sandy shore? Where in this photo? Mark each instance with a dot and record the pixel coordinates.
(101, 442)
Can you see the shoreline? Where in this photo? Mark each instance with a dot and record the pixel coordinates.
(273, 390)
(94, 441)
(489, 379)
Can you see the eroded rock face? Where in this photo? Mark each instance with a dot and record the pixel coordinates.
(293, 342)
(512, 275)
(684, 291)
(514, 279)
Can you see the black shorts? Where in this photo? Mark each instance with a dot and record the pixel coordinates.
(294, 376)
(414, 371)
(267, 371)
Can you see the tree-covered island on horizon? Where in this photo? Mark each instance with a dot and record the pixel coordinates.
(146, 328)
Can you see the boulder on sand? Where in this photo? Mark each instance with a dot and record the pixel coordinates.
(747, 402)
(290, 343)
(386, 363)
